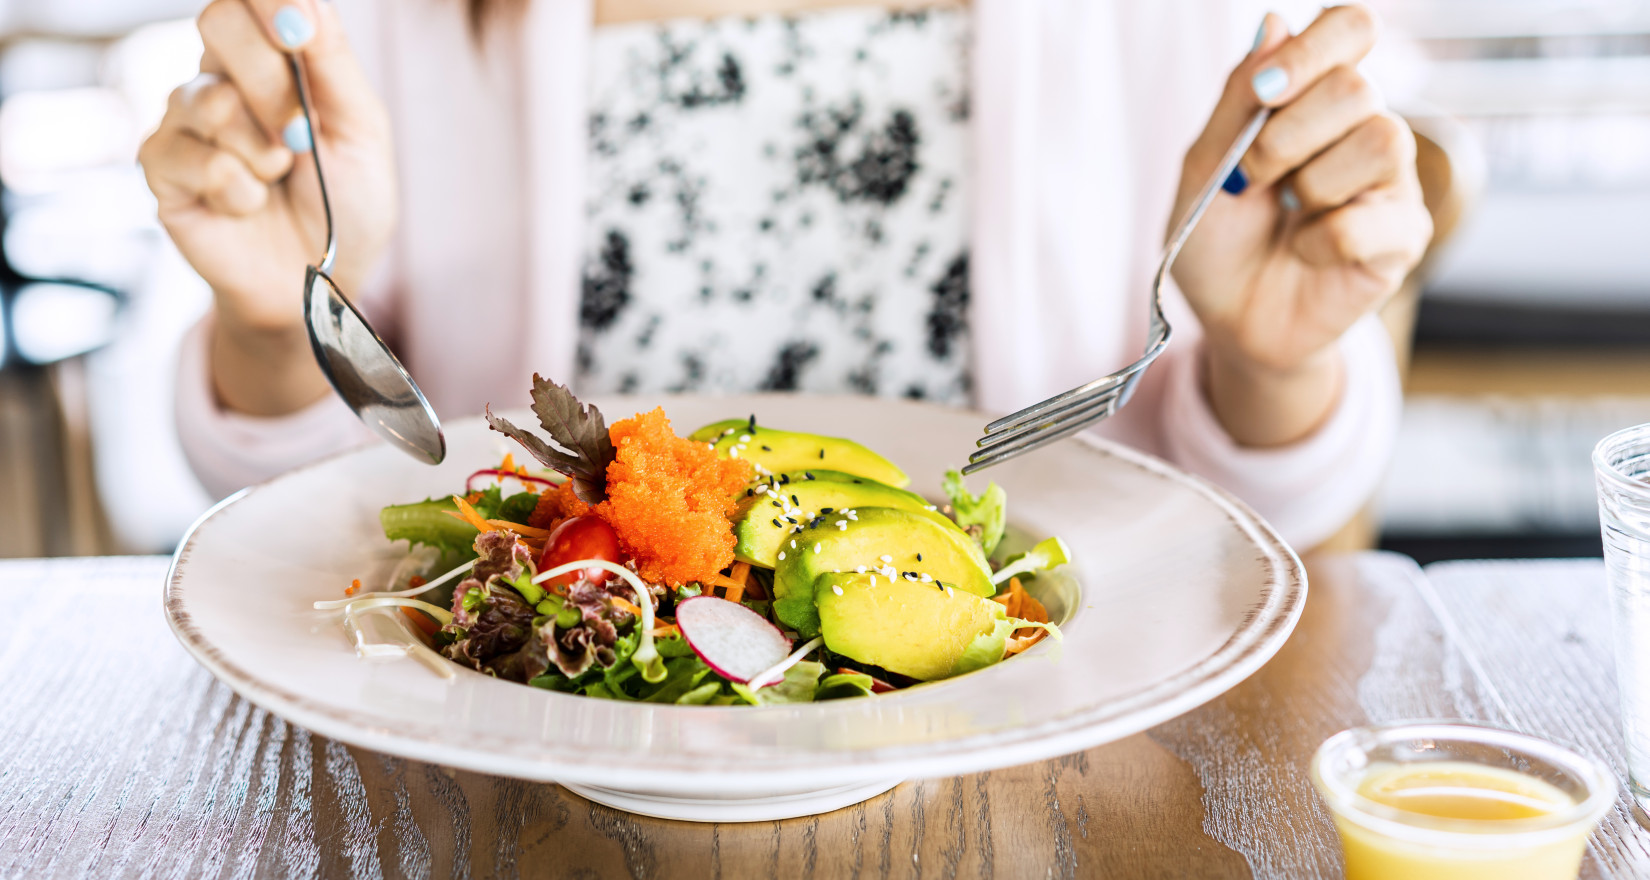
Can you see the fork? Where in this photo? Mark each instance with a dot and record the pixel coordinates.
(1068, 412)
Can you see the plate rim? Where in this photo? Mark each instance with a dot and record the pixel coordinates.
(1267, 625)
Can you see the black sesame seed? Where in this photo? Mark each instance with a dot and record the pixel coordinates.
(794, 501)
(777, 504)
(767, 448)
(784, 479)
(753, 423)
(821, 453)
(919, 557)
(791, 520)
(825, 510)
(777, 525)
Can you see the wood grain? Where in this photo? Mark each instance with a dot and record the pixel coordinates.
(1565, 689)
(119, 756)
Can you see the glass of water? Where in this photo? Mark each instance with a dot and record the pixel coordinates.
(1621, 463)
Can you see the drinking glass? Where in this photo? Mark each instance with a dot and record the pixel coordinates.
(1621, 463)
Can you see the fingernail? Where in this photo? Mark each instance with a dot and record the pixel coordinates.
(293, 27)
(1288, 199)
(1236, 182)
(1270, 83)
(297, 135)
(1260, 35)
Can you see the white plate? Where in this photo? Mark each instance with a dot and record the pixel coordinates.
(1176, 593)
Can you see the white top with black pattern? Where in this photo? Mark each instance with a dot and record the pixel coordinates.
(779, 203)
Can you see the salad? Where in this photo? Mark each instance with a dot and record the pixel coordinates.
(738, 565)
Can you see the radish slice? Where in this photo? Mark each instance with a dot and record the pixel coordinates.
(733, 640)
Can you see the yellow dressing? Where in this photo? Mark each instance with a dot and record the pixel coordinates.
(1489, 796)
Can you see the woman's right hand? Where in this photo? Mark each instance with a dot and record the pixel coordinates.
(230, 166)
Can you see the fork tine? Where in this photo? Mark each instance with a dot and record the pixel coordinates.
(1017, 419)
(999, 453)
(1075, 409)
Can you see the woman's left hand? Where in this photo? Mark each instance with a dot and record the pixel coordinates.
(1326, 222)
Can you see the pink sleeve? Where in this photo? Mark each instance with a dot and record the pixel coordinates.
(229, 450)
(1308, 489)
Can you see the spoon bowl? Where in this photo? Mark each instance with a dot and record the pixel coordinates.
(353, 357)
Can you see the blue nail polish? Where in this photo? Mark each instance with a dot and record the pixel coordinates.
(293, 27)
(1236, 182)
(297, 135)
(1270, 83)
(1287, 198)
(1260, 35)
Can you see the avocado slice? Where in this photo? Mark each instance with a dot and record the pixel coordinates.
(777, 506)
(914, 629)
(912, 543)
(778, 452)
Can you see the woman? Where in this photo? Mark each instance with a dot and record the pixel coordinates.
(965, 204)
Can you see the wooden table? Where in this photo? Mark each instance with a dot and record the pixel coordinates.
(119, 756)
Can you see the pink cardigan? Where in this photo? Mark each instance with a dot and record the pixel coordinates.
(1082, 110)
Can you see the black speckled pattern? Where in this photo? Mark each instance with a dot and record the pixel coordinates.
(781, 204)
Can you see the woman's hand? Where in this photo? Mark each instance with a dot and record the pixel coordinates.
(231, 168)
(1327, 221)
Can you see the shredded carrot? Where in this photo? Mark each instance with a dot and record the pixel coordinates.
(353, 588)
(468, 514)
(627, 605)
(518, 528)
(509, 462)
(473, 497)
(416, 581)
(1018, 603)
(422, 621)
(668, 629)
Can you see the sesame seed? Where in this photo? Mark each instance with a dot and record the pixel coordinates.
(873, 580)
(781, 557)
(825, 510)
(744, 438)
(807, 475)
(929, 507)
(836, 589)
(886, 558)
(822, 454)
(860, 569)
(767, 448)
(711, 446)
(919, 557)
(950, 592)
(842, 524)
(783, 478)
(793, 543)
(796, 502)
(818, 546)
(926, 578)
(777, 525)
(734, 452)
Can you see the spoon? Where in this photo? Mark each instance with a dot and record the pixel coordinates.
(360, 366)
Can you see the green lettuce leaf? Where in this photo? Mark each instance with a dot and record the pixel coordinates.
(988, 511)
(843, 685)
(1048, 553)
(798, 686)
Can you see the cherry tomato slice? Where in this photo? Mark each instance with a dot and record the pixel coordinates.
(579, 537)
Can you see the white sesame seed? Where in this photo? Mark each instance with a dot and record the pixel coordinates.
(950, 592)
(793, 543)
(734, 452)
(836, 589)
(860, 569)
(711, 446)
(818, 547)
(782, 554)
(886, 558)
(744, 438)
(873, 580)
(842, 524)
(926, 578)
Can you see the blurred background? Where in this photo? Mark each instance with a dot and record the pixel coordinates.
(1526, 333)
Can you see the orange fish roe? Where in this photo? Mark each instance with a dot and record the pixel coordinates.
(556, 504)
(669, 500)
